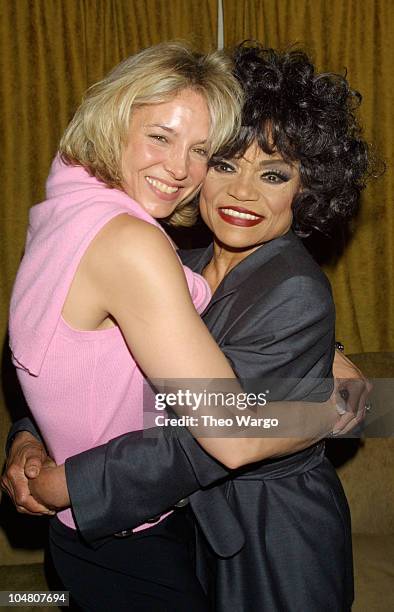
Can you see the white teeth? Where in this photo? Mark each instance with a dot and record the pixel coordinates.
(161, 186)
(235, 213)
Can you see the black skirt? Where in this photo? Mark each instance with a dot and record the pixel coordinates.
(297, 555)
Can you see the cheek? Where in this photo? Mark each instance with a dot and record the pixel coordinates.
(211, 190)
(148, 156)
(205, 211)
(202, 205)
(283, 219)
(287, 210)
(282, 206)
(211, 195)
(140, 155)
(197, 173)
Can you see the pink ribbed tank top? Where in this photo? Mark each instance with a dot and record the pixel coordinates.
(83, 387)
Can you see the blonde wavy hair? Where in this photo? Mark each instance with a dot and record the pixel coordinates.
(99, 129)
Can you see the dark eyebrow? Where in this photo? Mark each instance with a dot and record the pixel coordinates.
(270, 162)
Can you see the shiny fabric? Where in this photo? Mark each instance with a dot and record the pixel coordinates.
(296, 525)
(280, 530)
(52, 50)
(276, 536)
(272, 316)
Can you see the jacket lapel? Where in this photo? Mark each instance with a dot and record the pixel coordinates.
(240, 288)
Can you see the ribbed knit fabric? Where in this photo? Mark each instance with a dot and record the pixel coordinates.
(83, 387)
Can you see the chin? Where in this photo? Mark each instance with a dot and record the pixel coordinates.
(159, 211)
(235, 244)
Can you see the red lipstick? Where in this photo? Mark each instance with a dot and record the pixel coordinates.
(239, 221)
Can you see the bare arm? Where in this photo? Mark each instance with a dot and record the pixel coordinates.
(53, 485)
(142, 286)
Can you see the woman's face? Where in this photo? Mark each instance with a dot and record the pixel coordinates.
(247, 201)
(165, 159)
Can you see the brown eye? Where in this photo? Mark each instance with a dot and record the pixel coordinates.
(275, 177)
(201, 152)
(223, 167)
(158, 137)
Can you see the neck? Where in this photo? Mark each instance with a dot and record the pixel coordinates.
(224, 259)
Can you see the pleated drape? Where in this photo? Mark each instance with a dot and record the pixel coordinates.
(356, 35)
(50, 52)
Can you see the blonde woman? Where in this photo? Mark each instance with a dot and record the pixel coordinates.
(101, 289)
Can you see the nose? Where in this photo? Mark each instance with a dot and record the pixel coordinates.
(242, 188)
(177, 164)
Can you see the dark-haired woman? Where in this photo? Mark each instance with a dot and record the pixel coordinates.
(275, 535)
(298, 164)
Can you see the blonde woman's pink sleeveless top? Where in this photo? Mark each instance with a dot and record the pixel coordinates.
(83, 387)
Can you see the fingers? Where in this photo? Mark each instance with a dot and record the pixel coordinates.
(351, 395)
(34, 509)
(35, 463)
(24, 502)
(25, 461)
(354, 390)
(33, 466)
(341, 426)
(348, 422)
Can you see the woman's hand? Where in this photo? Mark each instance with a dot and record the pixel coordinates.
(50, 487)
(25, 460)
(351, 391)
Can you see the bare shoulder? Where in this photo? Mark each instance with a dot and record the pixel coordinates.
(131, 255)
(125, 232)
(129, 241)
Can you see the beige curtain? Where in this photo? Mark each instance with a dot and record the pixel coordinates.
(50, 51)
(357, 35)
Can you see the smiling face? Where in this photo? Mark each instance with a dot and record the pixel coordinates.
(164, 161)
(247, 201)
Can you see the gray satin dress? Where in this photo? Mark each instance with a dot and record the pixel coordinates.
(273, 317)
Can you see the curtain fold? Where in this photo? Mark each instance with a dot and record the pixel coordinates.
(359, 37)
(50, 52)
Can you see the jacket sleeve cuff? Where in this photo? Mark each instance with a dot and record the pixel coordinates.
(133, 478)
(24, 424)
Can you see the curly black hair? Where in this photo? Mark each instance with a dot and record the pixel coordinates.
(307, 117)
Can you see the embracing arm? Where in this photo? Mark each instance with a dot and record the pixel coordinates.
(26, 455)
(149, 474)
(158, 344)
(143, 288)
